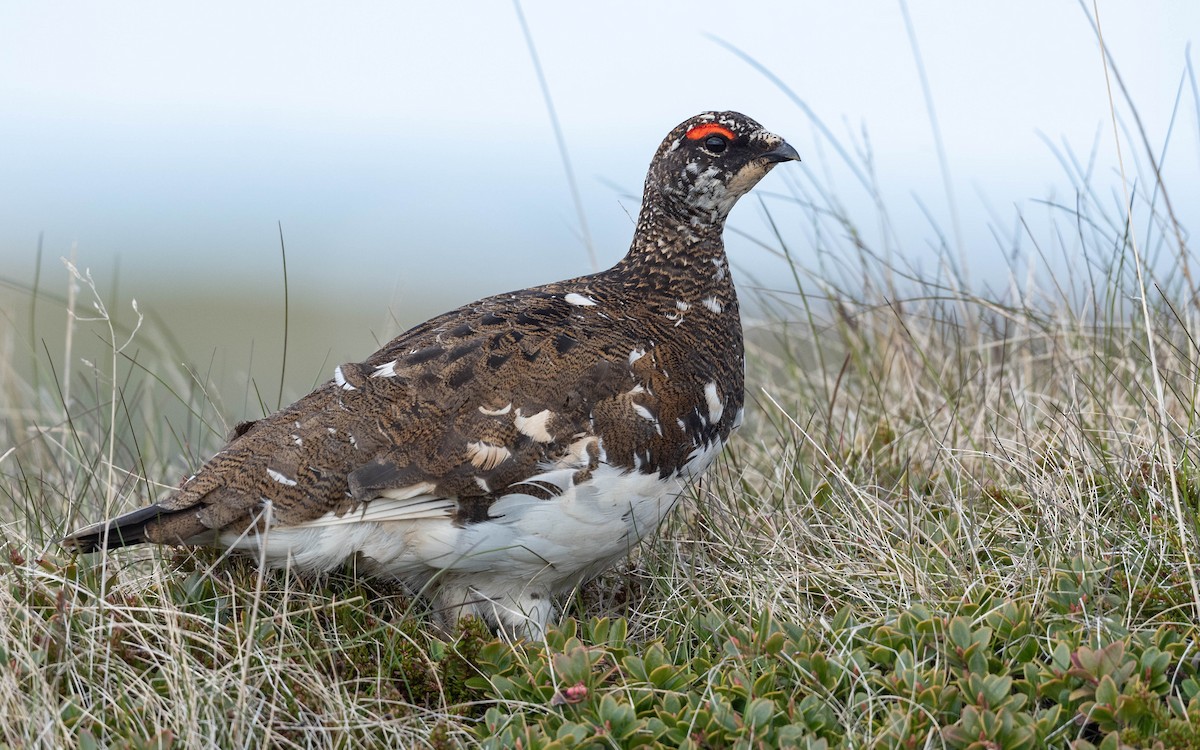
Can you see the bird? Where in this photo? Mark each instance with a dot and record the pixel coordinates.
(501, 454)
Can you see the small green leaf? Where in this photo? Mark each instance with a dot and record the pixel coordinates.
(960, 633)
(760, 712)
(1107, 692)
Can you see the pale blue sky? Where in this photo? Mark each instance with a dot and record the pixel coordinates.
(406, 147)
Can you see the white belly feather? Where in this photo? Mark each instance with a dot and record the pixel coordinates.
(558, 540)
(529, 548)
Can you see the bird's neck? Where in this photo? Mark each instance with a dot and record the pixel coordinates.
(676, 246)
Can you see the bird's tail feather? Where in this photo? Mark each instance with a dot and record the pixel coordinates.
(121, 531)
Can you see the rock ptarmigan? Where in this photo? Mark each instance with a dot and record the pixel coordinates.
(505, 451)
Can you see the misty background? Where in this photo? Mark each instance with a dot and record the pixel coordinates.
(407, 152)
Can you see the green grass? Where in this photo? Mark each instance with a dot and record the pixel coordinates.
(956, 517)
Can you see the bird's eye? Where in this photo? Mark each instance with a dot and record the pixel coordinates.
(715, 144)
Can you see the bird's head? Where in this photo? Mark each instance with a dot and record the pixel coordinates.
(707, 163)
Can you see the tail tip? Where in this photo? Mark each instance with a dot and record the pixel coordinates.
(121, 531)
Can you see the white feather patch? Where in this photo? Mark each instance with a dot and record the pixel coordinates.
(579, 300)
(405, 493)
(495, 412)
(720, 272)
(578, 451)
(385, 371)
(636, 354)
(644, 413)
(715, 407)
(388, 509)
(281, 478)
(700, 459)
(340, 379)
(534, 426)
(560, 479)
(487, 456)
(712, 304)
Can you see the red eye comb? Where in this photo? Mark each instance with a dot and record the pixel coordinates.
(703, 131)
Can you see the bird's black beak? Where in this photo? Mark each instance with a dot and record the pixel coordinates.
(782, 152)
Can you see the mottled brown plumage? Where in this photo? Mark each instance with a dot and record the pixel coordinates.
(533, 396)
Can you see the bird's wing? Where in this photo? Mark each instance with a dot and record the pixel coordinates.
(492, 398)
